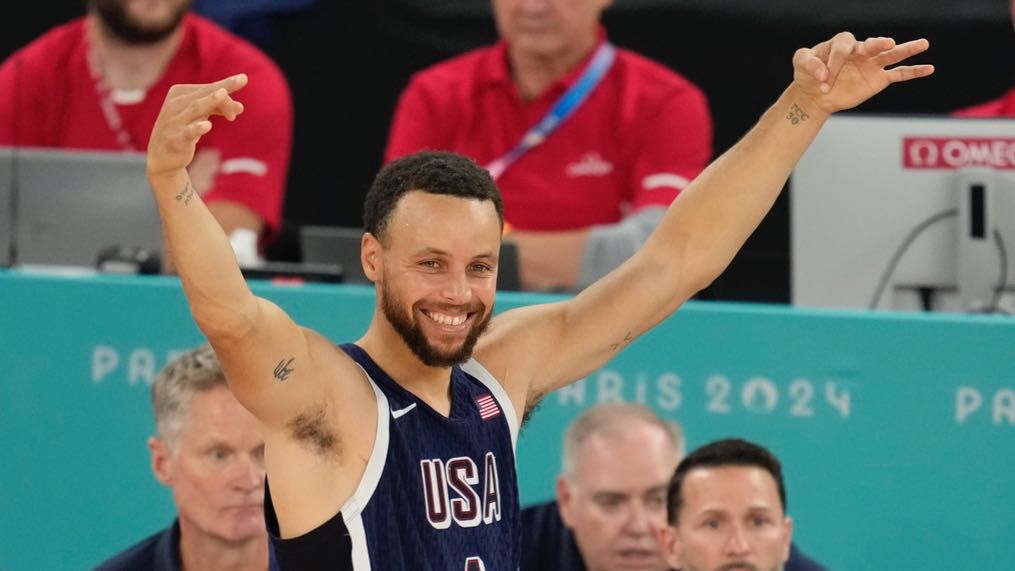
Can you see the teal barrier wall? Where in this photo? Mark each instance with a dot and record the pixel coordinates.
(897, 431)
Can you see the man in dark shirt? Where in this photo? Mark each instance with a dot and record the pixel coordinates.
(611, 496)
(209, 451)
(726, 509)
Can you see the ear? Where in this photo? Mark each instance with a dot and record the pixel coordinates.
(669, 545)
(370, 256)
(787, 525)
(564, 500)
(162, 459)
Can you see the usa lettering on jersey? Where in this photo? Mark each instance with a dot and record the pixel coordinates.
(455, 491)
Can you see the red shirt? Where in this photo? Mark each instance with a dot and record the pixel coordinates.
(635, 141)
(1003, 107)
(48, 98)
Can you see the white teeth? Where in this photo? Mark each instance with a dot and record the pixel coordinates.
(446, 319)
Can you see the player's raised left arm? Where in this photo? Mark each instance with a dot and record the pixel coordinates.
(707, 224)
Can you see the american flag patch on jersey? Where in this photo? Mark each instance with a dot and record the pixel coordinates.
(487, 406)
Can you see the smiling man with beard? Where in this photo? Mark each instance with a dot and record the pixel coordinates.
(397, 451)
(97, 83)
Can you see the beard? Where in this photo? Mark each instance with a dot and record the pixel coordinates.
(411, 332)
(735, 567)
(115, 17)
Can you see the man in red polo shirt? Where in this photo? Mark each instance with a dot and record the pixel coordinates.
(1002, 107)
(586, 197)
(98, 83)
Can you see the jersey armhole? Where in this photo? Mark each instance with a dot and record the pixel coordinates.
(477, 370)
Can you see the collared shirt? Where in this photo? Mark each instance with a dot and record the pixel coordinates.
(637, 140)
(1002, 107)
(160, 552)
(548, 544)
(43, 107)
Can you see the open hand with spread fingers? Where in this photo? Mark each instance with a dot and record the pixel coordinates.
(185, 117)
(843, 72)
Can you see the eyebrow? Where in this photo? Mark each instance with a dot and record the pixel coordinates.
(215, 443)
(599, 496)
(431, 251)
(751, 511)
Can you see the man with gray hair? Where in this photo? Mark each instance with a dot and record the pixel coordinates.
(618, 459)
(209, 451)
(611, 493)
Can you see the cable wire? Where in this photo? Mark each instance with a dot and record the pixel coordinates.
(995, 305)
(897, 256)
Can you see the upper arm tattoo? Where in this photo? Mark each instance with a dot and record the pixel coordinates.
(283, 370)
(628, 337)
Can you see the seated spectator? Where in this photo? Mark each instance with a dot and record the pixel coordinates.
(98, 82)
(611, 496)
(1001, 107)
(209, 451)
(582, 197)
(726, 509)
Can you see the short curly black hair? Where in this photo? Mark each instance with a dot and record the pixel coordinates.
(718, 454)
(435, 172)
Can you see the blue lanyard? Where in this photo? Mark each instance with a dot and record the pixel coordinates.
(561, 110)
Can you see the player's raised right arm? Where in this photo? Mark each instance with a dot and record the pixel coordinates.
(265, 355)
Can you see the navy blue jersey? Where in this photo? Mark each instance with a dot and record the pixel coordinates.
(438, 492)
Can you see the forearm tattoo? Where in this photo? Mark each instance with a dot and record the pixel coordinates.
(622, 343)
(796, 115)
(186, 194)
(283, 370)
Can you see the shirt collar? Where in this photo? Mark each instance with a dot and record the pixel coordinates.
(167, 549)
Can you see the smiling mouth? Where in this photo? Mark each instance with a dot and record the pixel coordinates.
(446, 319)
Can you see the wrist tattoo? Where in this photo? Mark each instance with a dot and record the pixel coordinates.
(283, 370)
(796, 114)
(186, 194)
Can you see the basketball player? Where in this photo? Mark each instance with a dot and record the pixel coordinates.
(396, 452)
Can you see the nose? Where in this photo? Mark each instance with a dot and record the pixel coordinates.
(639, 520)
(532, 4)
(456, 288)
(248, 474)
(737, 545)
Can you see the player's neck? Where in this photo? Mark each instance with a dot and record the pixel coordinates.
(387, 348)
(201, 552)
(533, 73)
(130, 66)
